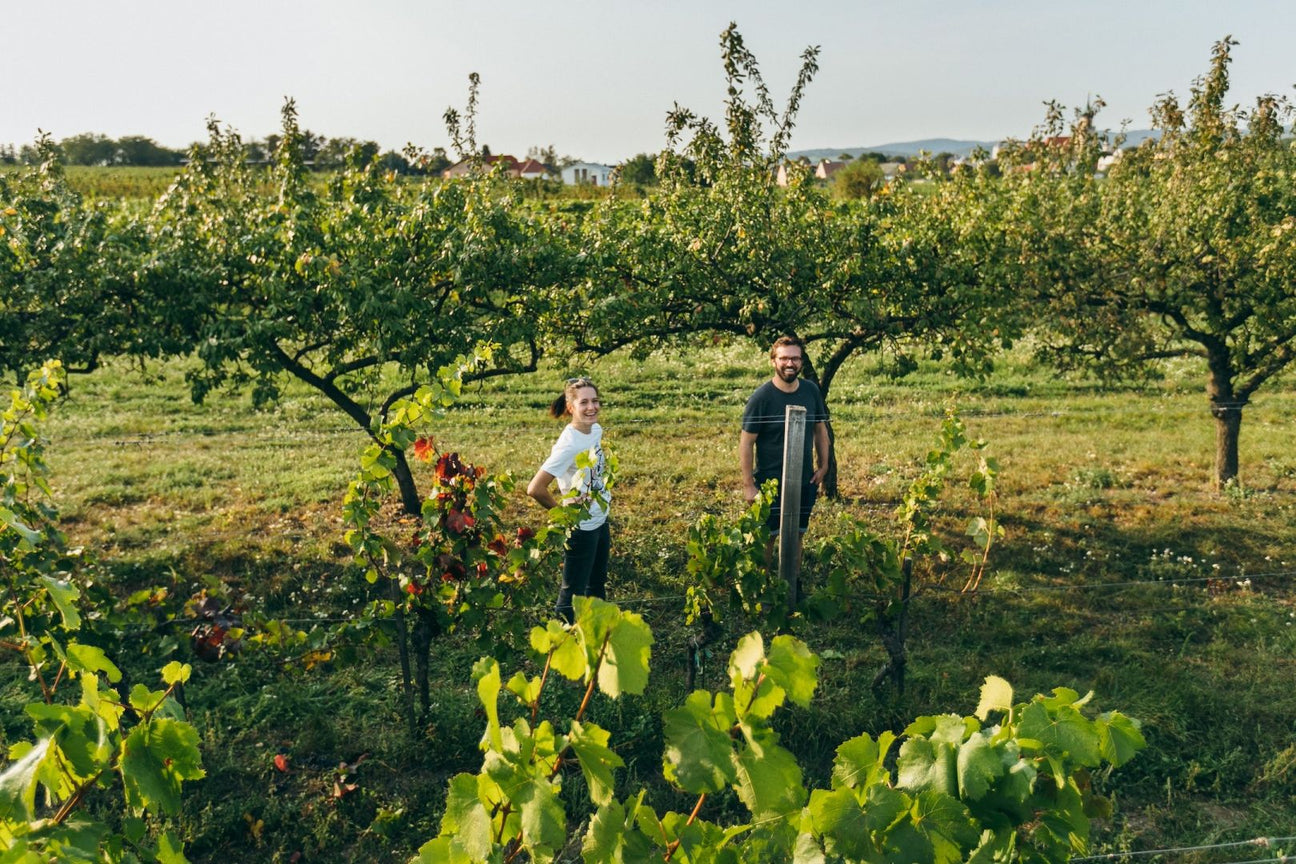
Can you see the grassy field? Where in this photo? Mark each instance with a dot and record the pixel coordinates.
(1122, 571)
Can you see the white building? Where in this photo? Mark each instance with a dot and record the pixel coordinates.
(587, 173)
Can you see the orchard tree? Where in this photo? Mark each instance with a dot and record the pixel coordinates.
(139, 150)
(639, 170)
(88, 148)
(859, 179)
(334, 152)
(1186, 249)
(725, 251)
(67, 274)
(362, 291)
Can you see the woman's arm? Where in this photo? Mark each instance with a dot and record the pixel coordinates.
(538, 489)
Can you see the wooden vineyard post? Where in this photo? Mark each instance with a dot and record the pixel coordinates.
(790, 500)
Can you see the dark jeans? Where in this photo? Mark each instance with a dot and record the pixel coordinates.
(584, 568)
(808, 494)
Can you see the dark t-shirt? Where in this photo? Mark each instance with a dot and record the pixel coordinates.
(765, 415)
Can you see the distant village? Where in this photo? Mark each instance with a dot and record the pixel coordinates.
(853, 174)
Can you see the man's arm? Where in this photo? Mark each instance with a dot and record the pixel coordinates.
(746, 446)
(821, 452)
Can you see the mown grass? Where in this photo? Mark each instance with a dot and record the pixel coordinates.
(1123, 571)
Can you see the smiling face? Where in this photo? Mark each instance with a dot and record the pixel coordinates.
(583, 405)
(787, 362)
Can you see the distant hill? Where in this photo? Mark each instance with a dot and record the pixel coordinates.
(900, 148)
(1133, 138)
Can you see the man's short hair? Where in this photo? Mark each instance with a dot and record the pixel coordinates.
(787, 340)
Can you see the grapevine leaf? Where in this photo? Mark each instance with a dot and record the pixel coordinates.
(487, 674)
(156, 758)
(170, 849)
(1119, 737)
(466, 822)
(995, 848)
(761, 701)
(1064, 732)
(144, 700)
(947, 825)
(769, 778)
(91, 658)
(746, 658)
(443, 851)
(544, 824)
(174, 672)
(595, 621)
(698, 754)
(860, 761)
(980, 764)
(18, 783)
(625, 664)
(30, 537)
(931, 763)
(807, 850)
(1064, 829)
(64, 595)
(613, 839)
(526, 689)
(79, 735)
(596, 760)
(543, 639)
(996, 695)
(104, 703)
(699, 841)
(839, 818)
(569, 658)
(1065, 697)
(792, 666)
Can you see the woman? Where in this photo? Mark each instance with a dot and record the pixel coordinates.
(586, 557)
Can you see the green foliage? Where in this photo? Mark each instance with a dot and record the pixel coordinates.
(1185, 249)
(723, 556)
(723, 250)
(1009, 784)
(67, 273)
(638, 170)
(269, 276)
(145, 743)
(874, 573)
(859, 179)
(856, 561)
(461, 560)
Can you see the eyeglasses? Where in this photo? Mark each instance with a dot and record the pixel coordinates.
(580, 382)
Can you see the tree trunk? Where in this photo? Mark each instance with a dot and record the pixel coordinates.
(426, 628)
(1228, 424)
(1226, 407)
(402, 645)
(828, 486)
(892, 628)
(411, 503)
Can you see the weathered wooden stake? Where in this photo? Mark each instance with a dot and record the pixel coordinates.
(794, 423)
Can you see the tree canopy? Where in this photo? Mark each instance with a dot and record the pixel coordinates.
(1186, 249)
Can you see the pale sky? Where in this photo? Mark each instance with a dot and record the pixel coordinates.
(595, 78)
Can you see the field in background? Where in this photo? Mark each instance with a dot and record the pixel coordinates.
(1122, 571)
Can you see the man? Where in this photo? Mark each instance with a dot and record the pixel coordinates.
(760, 447)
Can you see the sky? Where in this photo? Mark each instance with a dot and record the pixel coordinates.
(595, 78)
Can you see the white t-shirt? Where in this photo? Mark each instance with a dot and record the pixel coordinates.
(587, 481)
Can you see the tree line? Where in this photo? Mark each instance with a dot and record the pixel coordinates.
(98, 150)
